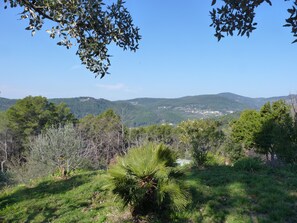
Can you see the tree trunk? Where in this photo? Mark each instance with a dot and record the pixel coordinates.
(2, 166)
(272, 158)
(6, 154)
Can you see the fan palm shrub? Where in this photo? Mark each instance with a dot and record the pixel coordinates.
(146, 180)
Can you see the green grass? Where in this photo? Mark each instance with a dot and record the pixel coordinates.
(219, 194)
(226, 194)
(78, 199)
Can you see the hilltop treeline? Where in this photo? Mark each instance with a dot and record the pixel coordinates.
(148, 111)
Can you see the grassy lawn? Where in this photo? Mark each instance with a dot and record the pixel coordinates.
(224, 194)
(78, 199)
(219, 194)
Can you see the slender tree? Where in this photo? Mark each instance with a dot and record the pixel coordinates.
(6, 141)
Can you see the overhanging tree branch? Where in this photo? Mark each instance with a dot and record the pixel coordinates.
(89, 24)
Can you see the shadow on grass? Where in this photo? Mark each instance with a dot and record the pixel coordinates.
(47, 212)
(45, 189)
(69, 200)
(224, 194)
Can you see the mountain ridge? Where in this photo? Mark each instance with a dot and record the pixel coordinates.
(146, 111)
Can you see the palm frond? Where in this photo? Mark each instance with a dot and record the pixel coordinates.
(146, 180)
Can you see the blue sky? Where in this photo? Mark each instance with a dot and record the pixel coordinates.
(178, 56)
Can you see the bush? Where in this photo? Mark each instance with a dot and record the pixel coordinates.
(146, 179)
(213, 159)
(4, 179)
(24, 172)
(232, 150)
(199, 155)
(248, 164)
(59, 149)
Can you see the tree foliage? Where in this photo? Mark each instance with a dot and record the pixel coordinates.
(92, 25)
(239, 16)
(59, 149)
(276, 135)
(201, 136)
(105, 133)
(164, 133)
(271, 131)
(232, 150)
(29, 116)
(243, 129)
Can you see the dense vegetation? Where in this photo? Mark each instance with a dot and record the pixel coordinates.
(228, 165)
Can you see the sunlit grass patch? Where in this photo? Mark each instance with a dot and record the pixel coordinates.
(71, 200)
(226, 194)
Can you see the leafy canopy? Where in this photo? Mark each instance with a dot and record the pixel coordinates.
(239, 15)
(106, 133)
(276, 135)
(55, 149)
(30, 115)
(91, 24)
(201, 136)
(269, 131)
(95, 24)
(244, 128)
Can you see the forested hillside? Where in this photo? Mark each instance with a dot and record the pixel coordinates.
(147, 111)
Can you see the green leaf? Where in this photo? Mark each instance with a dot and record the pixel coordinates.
(291, 11)
(269, 2)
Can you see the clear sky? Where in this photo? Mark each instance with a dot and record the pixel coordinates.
(178, 56)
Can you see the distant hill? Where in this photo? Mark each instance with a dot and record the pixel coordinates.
(146, 111)
(6, 103)
(83, 106)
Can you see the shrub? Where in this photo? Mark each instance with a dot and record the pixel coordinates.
(199, 155)
(24, 172)
(4, 179)
(248, 164)
(59, 149)
(232, 150)
(214, 159)
(146, 179)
